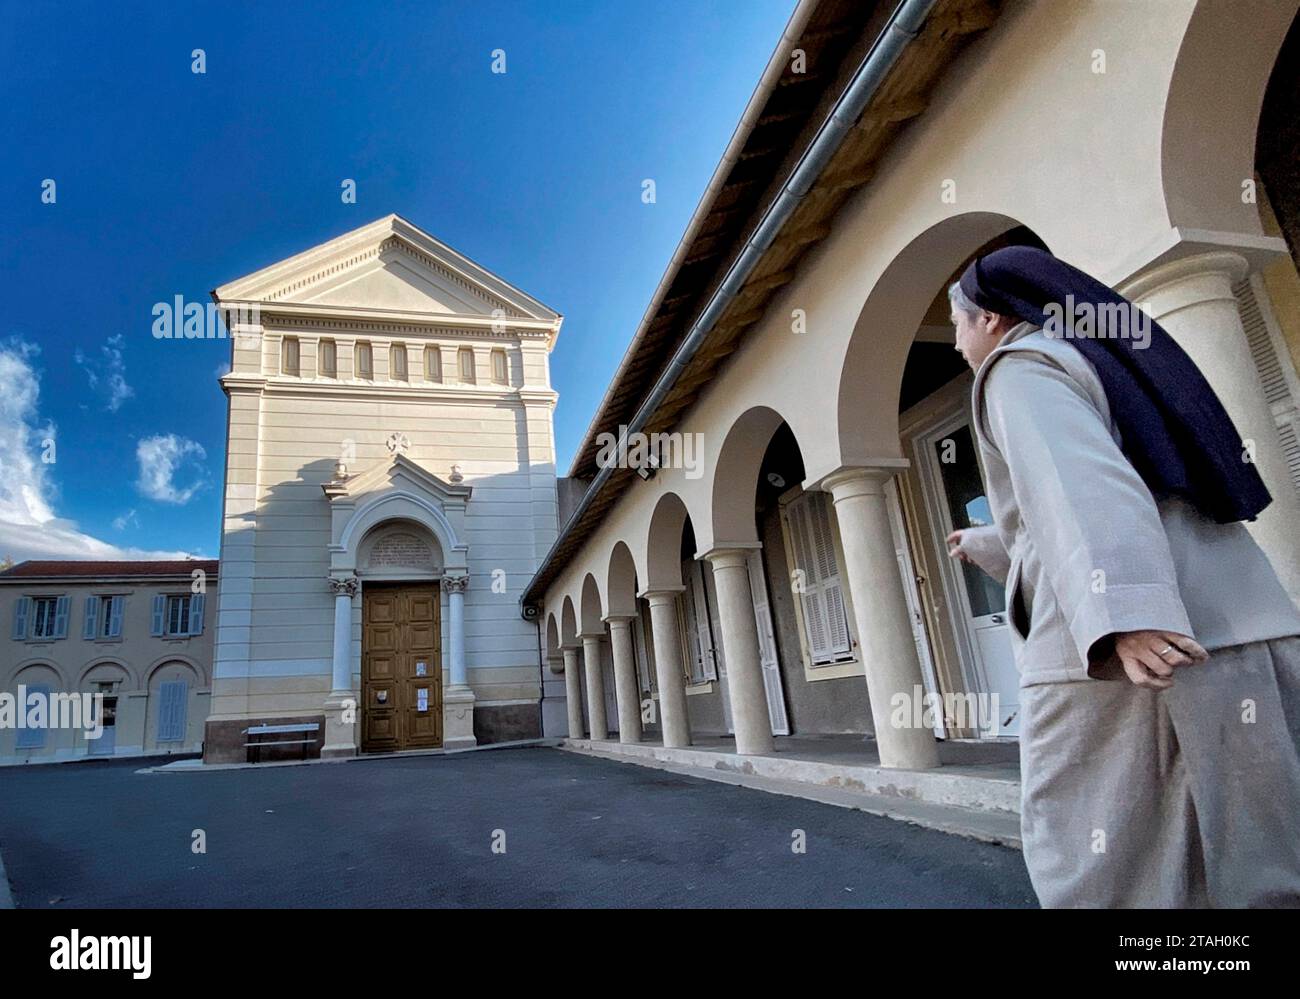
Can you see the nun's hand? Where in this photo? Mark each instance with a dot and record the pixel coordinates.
(955, 549)
(1150, 657)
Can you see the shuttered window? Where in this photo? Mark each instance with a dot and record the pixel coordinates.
(397, 362)
(432, 364)
(33, 738)
(173, 698)
(49, 617)
(701, 648)
(499, 372)
(815, 579)
(1277, 374)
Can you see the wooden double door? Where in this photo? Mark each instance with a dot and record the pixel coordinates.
(401, 667)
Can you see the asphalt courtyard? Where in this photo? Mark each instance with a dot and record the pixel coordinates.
(518, 827)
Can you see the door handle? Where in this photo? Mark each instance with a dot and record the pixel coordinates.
(997, 619)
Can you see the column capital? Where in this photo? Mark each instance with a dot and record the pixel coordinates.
(343, 586)
(618, 619)
(858, 480)
(661, 594)
(728, 556)
(455, 583)
(1187, 280)
(1178, 244)
(570, 648)
(591, 636)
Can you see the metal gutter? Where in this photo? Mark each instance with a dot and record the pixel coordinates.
(903, 26)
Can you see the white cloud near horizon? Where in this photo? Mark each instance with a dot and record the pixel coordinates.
(162, 457)
(29, 525)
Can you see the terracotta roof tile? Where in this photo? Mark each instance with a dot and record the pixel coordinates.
(34, 569)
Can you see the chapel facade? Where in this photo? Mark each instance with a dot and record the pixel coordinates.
(389, 490)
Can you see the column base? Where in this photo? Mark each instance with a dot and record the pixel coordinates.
(458, 718)
(340, 725)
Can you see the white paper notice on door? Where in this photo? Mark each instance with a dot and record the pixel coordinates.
(422, 699)
(421, 669)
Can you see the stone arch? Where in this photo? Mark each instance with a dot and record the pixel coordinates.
(735, 476)
(590, 610)
(195, 667)
(29, 672)
(401, 505)
(552, 635)
(1212, 112)
(664, 543)
(871, 376)
(620, 587)
(130, 680)
(399, 547)
(568, 624)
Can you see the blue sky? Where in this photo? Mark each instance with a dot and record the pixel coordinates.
(172, 183)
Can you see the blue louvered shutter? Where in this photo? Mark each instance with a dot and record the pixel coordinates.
(61, 606)
(92, 617)
(196, 614)
(173, 696)
(22, 607)
(115, 609)
(33, 738)
(159, 613)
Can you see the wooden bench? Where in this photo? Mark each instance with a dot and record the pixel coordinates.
(256, 744)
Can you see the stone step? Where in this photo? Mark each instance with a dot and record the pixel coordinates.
(976, 806)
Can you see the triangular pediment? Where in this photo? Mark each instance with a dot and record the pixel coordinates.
(387, 267)
(400, 474)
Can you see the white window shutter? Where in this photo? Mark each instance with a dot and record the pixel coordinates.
(692, 621)
(22, 607)
(90, 626)
(61, 608)
(767, 652)
(159, 614)
(1272, 361)
(704, 624)
(115, 609)
(196, 614)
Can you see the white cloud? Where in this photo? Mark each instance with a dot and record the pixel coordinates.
(29, 527)
(164, 456)
(107, 375)
(125, 520)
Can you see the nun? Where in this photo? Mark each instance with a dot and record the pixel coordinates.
(1159, 655)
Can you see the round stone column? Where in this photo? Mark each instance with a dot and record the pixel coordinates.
(885, 641)
(626, 690)
(595, 686)
(1192, 298)
(674, 721)
(745, 688)
(573, 691)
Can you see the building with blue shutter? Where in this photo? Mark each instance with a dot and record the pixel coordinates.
(137, 633)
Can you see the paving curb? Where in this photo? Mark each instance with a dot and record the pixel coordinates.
(996, 828)
(197, 766)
